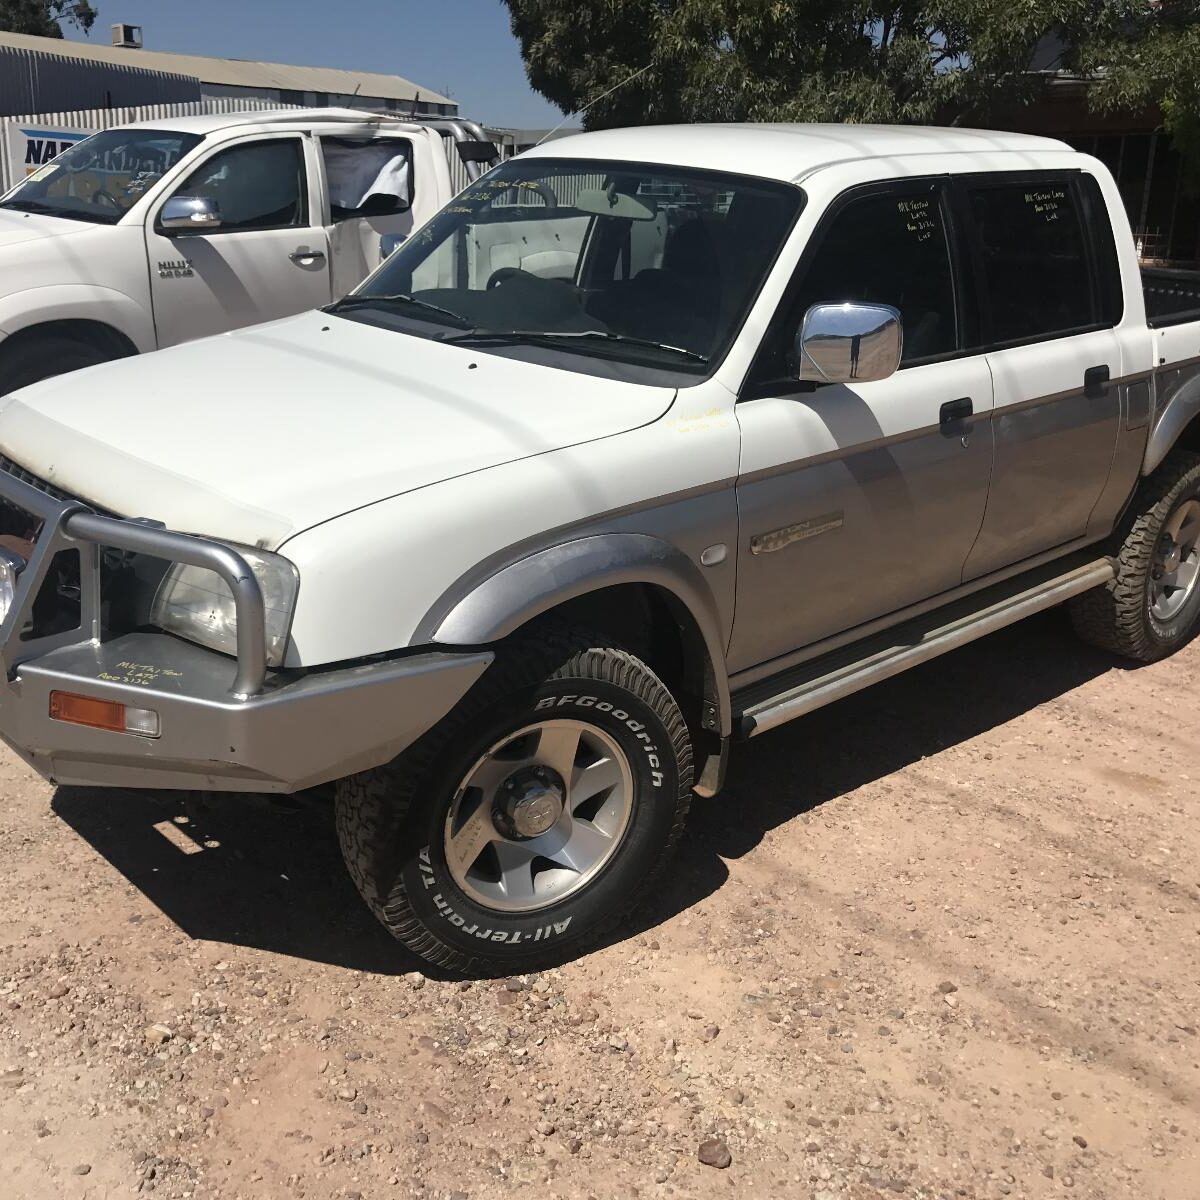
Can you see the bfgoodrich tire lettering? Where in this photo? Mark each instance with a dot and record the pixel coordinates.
(393, 822)
(1120, 616)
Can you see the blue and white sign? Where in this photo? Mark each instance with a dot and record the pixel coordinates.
(31, 147)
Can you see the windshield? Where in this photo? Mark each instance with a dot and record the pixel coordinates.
(102, 178)
(648, 265)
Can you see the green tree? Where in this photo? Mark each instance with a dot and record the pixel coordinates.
(44, 17)
(850, 60)
(1151, 56)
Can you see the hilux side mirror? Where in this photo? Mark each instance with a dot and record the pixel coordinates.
(848, 343)
(189, 214)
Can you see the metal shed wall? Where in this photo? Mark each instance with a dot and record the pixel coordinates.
(32, 80)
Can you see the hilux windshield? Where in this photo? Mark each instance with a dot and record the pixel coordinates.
(103, 177)
(647, 265)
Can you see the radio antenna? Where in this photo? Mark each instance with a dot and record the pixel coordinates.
(581, 111)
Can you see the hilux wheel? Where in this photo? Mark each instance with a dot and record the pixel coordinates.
(1152, 607)
(36, 358)
(533, 818)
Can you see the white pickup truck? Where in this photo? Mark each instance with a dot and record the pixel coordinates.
(650, 440)
(148, 235)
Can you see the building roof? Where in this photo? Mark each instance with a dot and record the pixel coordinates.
(784, 152)
(234, 72)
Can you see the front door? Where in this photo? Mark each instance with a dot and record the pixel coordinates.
(857, 500)
(266, 260)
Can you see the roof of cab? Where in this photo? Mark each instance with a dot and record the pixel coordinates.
(302, 118)
(784, 152)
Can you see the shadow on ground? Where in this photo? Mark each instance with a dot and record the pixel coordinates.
(270, 876)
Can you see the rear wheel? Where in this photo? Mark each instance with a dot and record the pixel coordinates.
(531, 820)
(36, 358)
(1152, 607)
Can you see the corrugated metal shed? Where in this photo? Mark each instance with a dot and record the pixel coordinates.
(234, 72)
(29, 79)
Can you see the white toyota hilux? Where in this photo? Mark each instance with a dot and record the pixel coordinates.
(650, 440)
(145, 236)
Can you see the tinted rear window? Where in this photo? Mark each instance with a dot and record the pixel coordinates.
(1034, 248)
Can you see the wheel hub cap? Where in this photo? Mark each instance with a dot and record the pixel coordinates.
(531, 802)
(539, 816)
(1176, 567)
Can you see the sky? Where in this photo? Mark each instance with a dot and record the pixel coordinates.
(461, 48)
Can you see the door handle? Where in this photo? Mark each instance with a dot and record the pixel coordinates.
(307, 256)
(1095, 381)
(954, 414)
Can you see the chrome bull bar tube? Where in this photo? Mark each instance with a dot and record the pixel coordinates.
(194, 552)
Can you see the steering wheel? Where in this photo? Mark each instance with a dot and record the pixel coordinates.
(503, 275)
(101, 194)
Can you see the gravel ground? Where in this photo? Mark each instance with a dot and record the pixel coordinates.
(939, 940)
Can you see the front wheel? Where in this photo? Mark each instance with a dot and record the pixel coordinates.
(533, 819)
(32, 359)
(1152, 607)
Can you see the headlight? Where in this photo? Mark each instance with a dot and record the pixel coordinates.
(197, 605)
(11, 565)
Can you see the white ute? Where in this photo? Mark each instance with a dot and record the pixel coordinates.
(650, 440)
(148, 235)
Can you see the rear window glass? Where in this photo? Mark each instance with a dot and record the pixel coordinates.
(1036, 281)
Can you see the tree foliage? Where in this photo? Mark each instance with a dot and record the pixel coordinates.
(43, 17)
(850, 60)
(1151, 56)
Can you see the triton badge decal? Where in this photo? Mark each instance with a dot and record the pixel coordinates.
(777, 539)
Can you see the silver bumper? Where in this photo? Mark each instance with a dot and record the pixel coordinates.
(224, 725)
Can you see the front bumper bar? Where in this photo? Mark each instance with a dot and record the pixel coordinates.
(223, 726)
(294, 735)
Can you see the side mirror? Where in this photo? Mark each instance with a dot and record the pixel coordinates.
(849, 343)
(189, 214)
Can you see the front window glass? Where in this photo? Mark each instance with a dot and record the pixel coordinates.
(643, 264)
(890, 248)
(258, 185)
(102, 178)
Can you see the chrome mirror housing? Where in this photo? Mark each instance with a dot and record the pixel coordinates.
(189, 214)
(848, 343)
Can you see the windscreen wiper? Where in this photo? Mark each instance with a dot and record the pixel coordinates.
(477, 336)
(32, 206)
(348, 303)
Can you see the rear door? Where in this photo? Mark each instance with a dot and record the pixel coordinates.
(365, 171)
(1043, 256)
(269, 258)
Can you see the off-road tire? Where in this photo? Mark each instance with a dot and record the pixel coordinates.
(37, 358)
(1118, 617)
(391, 820)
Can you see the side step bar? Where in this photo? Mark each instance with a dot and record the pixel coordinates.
(853, 677)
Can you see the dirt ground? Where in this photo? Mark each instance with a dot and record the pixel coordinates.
(939, 940)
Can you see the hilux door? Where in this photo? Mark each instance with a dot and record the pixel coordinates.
(267, 259)
(858, 500)
(1050, 298)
